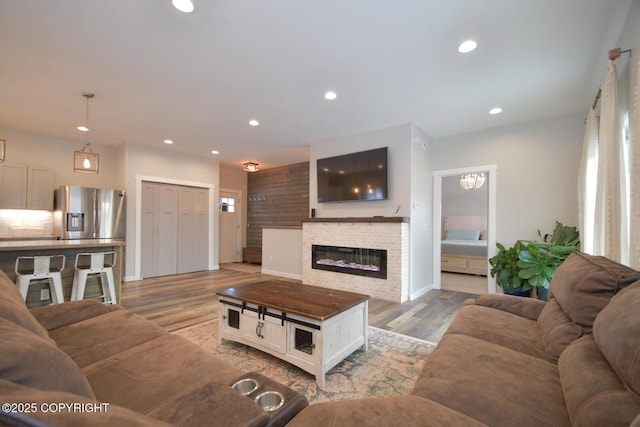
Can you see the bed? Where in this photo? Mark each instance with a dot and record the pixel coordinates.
(464, 244)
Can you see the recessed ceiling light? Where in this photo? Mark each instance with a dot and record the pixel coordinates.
(330, 95)
(467, 46)
(495, 111)
(254, 122)
(83, 128)
(216, 152)
(168, 141)
(185, 6)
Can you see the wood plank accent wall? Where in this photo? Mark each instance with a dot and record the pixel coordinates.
(277, 197)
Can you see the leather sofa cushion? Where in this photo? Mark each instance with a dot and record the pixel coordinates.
(556, 329)
(13, 308)
(584, 284)
(381, 411)
(101, 337)
(617, 333)
(33, 361)
(594, 394)
(499, 327)
(493, 384)
(155, 373)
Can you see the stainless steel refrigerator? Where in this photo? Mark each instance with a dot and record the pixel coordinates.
(89, 213)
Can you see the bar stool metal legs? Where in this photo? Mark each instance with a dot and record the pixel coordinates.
(29, 268)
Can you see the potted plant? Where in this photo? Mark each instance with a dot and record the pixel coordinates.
(538, 261)
(505, 269)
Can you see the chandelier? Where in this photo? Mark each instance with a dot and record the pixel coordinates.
(250, 167)
(85, 160)
(472, 181)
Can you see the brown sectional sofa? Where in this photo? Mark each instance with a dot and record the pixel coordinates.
(85, 353)
(513, 361)
(504, 361)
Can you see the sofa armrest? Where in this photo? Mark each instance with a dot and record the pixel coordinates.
(381, 411)
(58, 315)
(525, 307)
(58, 408)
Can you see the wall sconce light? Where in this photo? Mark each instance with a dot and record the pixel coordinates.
(3, 143)
(250, 167)
(85, 160)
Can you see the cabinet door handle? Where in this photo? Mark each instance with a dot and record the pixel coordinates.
(259, 327)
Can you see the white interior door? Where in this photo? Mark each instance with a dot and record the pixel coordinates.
(159, 229)
(229, 242)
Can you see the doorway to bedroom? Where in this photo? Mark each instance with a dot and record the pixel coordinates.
(464, 229)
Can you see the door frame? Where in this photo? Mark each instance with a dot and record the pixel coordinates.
(212, 264)
(238, 195)
(437, 218)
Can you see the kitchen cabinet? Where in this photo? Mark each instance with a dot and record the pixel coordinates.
(26, 187)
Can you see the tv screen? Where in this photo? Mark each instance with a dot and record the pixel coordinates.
(355, 176)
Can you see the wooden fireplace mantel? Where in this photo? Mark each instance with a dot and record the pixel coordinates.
(402, 219)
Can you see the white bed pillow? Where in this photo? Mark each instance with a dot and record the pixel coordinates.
(463, 234)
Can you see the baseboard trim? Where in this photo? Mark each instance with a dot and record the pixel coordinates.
(421, 292)
(282, 274)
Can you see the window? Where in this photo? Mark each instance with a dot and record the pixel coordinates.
(227, 204)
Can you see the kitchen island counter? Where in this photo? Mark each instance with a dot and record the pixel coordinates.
(10, 250)
(26, 245)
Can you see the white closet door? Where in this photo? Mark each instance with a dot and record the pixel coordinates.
(159, 229)
(193, 229)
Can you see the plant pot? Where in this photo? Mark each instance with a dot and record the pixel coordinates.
(518, 292)
(543, 294)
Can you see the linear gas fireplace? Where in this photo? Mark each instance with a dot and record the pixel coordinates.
(358, 261)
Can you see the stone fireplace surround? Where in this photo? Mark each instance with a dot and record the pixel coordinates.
(386, 233)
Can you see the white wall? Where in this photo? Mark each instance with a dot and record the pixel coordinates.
(456, 201)
(281, 254)
(397, 138)
(630, 35)
(25, 148)
(420, 231)
(167, 166)
(537, 170)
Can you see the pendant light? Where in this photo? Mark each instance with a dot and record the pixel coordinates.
(85, 160)
(472, 181)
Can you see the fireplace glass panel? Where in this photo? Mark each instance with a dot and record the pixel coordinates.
(358, 261)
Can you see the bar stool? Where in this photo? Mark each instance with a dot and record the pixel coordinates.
(96, 266)
(39, 267)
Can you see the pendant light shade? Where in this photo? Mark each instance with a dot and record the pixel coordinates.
(85, 160)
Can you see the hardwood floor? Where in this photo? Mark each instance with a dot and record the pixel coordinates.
(177, 302)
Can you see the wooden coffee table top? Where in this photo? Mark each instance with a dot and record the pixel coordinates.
(293, 298)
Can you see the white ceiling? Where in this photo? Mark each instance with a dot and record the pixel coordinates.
(199, 78)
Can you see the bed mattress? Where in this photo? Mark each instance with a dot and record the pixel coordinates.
(464, 247)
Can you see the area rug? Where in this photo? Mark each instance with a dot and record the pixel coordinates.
(390, 367)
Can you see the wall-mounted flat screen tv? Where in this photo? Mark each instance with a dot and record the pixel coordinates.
(355, 176)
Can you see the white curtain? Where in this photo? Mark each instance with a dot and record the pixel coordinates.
(587, 182)
(608, 221)
(609, 176)
(634, 159)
